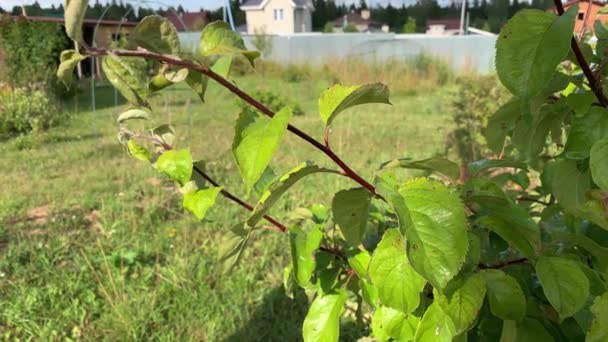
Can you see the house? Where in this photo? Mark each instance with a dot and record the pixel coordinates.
(188, 21)
(443, 27)
(587, 14)
(361, 21)
(278, 16)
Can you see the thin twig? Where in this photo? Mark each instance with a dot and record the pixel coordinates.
(593, 82)
(503, 264)
(171, 60)
(530, 199)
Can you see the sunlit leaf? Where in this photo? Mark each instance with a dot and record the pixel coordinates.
(156, 34)
(439, 165)
(339, 98)
(134, 114)
(388, 323)
(126, 79)
(68, 59)
(304, 244)
(198, 202)
(435, 326)
(176, 164)
(138, 151)
(75, 11)
(218, 39)
(350, 210)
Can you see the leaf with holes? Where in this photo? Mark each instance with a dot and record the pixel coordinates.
(437, 236)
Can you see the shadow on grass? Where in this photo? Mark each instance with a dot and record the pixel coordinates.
(280, 318)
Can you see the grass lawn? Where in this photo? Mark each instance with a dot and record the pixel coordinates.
(95, 245)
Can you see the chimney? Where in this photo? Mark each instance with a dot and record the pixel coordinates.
(365, 14)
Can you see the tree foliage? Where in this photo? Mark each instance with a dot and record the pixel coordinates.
(466, 252)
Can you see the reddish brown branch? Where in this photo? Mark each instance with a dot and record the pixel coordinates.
(171, 60)
(594, 84)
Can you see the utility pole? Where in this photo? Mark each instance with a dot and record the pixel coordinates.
(463, 9)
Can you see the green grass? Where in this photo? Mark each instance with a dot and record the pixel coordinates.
(95, 245)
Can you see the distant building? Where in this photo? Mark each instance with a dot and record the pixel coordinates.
(362, 21)
(278, 16)
(188, 21)
(443, 27)
(587, 14)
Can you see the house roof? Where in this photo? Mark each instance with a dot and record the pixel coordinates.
(85, 21)
(594, 2)
(189, 19)
(450, 23)
(259, 4)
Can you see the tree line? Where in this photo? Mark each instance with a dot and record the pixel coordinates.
(488, 15)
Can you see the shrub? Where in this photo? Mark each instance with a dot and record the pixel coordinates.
(350, 28)
(24, 110)
(474, 100)
(328, 28)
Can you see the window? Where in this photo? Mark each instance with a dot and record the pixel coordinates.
(581, 15)
(278, 14)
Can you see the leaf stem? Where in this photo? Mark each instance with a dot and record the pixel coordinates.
(350, 173)
(593, 82)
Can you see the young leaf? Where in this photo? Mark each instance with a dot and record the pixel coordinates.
(304, 244)
(598, 163)
(440, 165)
(156, 34)
(339, 98)
(164, 133)
(231, 249)
(134, 114)
(359, 262)
(564, 284)
(75, 11)
(176, 164)
(599, 328)
(464, 305)
(322, 322)
(255, 141)
(437, 237)
(125, 79)
(507, 300)
(530, 47)
(502, 122)
(138, 151)
(398, 285)
(200, 201)
(435, 326)
(222, 66)
(388, 323)
(68, 59)
(158, 83)
(486, 164)
(218, 39)
(280, 185)
(350, 209)
(585, 132)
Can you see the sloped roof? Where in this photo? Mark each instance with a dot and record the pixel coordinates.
(450, 24)
(259, 4)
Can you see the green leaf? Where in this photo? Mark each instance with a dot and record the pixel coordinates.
(218, 39)
(198, 83)
(502, 122)
(125, 79)
(435, 326)
(200, 201)
(598, 163)
(176, 164)
(339, 98)
(164, 133)
(369, 293)
(473, 254)
(398, 285)
(599, 328)
(322, 322)
(138, 151)
(350, 209)
(507, 300)
(231, 249)
(388, 323)
(580, 102)
(599, 253)
(564, 284)
(464, 305)
(530, 47)
(437, 237)
(439, 165)
(585, 132)
(255, 141)
(486, 164)
(157, 34)
(570, 185)
(222, 66)
(176, 75)
(158, 82)
(75, 11)
(390, 192)
(359, 262)
(134, 114)
(69, 59)
(304, 244)
(267, 178)
(280, 185)
(528, 330)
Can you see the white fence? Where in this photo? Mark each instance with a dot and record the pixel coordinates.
(463, 53)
